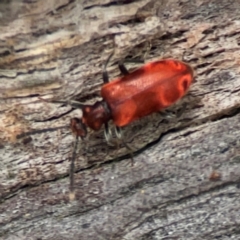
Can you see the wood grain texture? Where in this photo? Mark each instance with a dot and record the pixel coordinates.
(55, 50)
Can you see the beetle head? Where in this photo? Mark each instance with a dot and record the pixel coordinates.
(78, 127)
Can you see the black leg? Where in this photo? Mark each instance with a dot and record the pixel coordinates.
(122, 67)
(136, 60)
(119, 135)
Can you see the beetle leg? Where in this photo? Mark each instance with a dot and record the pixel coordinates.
(136, 60)
(182, 110)
(166, 114)
(118, 132)
(107, 133)
(119, 135)
(122, 67)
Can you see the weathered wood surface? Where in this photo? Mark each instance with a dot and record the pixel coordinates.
(55, 49)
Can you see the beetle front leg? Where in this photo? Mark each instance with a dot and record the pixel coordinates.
(107, 133)
(119, 135)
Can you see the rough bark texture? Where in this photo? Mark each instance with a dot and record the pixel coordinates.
(55, 50)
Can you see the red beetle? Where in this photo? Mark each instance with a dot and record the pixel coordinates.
(150, 88)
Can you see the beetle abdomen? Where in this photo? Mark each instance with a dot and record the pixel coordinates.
(148, 89)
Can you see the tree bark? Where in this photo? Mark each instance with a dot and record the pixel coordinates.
(185, 181)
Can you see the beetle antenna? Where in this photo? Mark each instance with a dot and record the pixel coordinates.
(72, 103)
(38, 131)
(72, 170)
(104, 70)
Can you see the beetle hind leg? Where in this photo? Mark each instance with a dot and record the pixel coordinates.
(123, 68)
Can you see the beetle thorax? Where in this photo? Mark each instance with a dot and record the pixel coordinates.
(94, 116)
